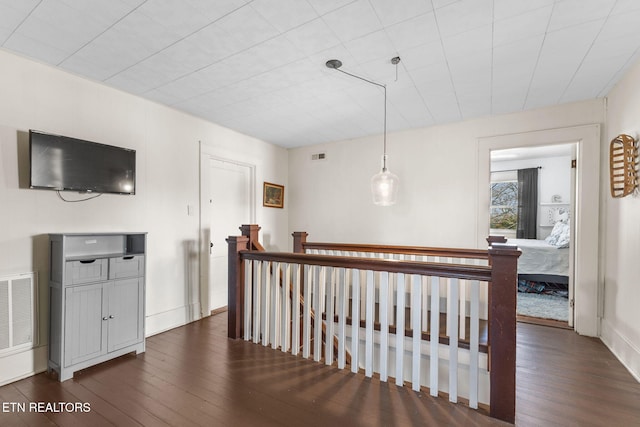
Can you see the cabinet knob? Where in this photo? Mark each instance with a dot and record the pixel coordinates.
(111, 316)
(105, 318)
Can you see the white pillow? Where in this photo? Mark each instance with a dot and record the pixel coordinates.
(555, 233)
(563, 239)
(559, 235)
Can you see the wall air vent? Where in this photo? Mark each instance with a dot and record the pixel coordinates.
(18, 313)
(319, 156)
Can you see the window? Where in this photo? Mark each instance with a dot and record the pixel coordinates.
(504, 201)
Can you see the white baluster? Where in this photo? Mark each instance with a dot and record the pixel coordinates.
(384, 325)
(447, 290)
(322, 294)
(400, 321)
(392, 287)
(329, 334)
(355, 320)
(306, 316)
(416, 319)
(435, 335)
(266, 295)
(452, 319)
(274, 331)
(474, 342)
(317, 315)
(248, 280)
(295, 315)
(363, 292)
(285, 310)
(257, 298)
(463, 310)
(368, 357)
(425, 298)
(343, 297)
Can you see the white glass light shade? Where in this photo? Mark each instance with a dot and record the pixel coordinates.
(384, 188)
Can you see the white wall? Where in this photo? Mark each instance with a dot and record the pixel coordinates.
(438, 170)
(35, 96)
(554, 177)
(621, 322)
(444, 187)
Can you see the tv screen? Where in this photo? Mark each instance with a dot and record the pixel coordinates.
(63, 163)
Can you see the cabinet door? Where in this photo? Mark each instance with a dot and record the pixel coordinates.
(125, 299)
(85, 330)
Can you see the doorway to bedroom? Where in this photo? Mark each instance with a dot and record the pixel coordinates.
(532, 193)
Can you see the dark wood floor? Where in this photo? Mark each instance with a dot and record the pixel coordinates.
(194, 375)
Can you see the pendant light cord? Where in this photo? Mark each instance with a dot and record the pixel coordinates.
(384, 140)
(361, 78)
(384, 146)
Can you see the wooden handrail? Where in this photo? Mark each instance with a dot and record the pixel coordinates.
(405, 250)
(300, 245)
(461, 271)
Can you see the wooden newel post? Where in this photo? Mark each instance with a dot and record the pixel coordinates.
(496, 239)
(299, 238)
(236, 285)
(502, 331)
(251, 231)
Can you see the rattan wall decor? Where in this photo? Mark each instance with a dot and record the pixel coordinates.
(623, 156)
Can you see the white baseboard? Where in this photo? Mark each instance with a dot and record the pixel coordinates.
(626, 352)
(21, 365)
(179, 316)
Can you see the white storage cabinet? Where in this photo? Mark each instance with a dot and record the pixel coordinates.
(96, 299)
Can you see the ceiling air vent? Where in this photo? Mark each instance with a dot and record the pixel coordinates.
(319, 156)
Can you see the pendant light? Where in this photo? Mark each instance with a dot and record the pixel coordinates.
(384, 184)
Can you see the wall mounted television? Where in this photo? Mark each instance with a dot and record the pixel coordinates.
(69, 164)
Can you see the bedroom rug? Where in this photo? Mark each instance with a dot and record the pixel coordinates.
(543, 306)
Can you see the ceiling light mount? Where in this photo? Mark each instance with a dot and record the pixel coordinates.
(333, 63)
(395, 61)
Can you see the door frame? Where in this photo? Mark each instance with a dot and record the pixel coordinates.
(208, 153)
(572, 214)
(585, 239)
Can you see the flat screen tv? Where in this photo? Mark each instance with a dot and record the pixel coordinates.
(70, 164)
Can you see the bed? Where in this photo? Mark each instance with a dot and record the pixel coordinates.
(541, 261)
(545, 261)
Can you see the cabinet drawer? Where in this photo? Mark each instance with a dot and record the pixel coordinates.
(127, 266)
(86, 271)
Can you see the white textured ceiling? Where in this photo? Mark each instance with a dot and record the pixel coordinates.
(258, 66)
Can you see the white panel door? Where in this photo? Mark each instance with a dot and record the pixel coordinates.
(230, 202)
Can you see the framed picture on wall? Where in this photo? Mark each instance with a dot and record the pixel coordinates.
(273, 195)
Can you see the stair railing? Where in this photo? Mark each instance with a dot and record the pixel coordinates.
(391, 342)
